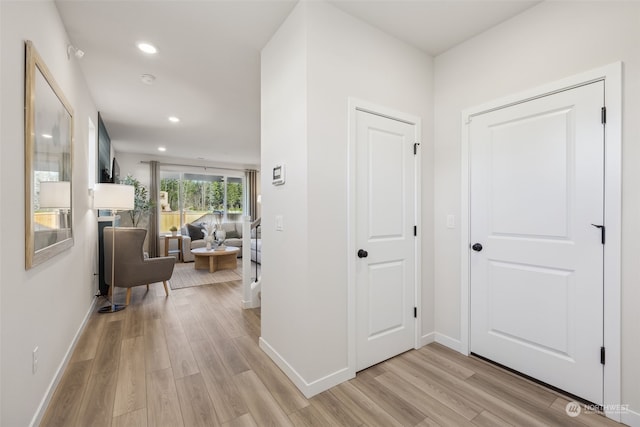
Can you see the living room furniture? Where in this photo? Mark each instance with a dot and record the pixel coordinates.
(167, 239)
(131, 268)
(233, 231)
(215, 260)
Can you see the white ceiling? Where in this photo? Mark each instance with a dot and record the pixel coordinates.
(208, 65)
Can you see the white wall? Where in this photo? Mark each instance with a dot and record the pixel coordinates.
(318, 59)
(546, 43)
(46, 305)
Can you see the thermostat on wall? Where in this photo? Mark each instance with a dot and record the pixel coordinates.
(278, 175)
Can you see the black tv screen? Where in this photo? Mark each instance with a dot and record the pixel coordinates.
(115, 172)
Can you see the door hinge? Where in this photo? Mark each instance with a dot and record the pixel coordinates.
(415, 312)
(415, 148)
(602, 355)
(603, 115)
(415, 230)
(603, 232)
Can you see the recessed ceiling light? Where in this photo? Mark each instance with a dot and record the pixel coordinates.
(162, 149)
(147, 48)
(148, 79)
(47, 136)
(174, 119)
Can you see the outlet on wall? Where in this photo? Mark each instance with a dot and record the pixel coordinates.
(34, 359)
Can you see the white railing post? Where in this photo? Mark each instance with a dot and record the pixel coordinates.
(246, 262)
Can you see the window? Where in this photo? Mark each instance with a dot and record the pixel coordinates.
(189, 197)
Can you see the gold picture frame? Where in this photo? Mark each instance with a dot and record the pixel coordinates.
(48, 163)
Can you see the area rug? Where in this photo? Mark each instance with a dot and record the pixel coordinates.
(185, 275)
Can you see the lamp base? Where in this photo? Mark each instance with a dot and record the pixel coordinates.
(112, 308)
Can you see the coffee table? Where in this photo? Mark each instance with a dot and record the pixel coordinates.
(215, 260)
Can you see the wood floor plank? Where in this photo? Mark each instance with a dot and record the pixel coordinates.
(334, 410)
(131, 419)
(131, 390)
(245, 420)
(365, 408)
(390, 402)
(487, 419)
(470, 395)
(281, 387)
(156, 350)
(88, 342)
(108, 352)
(414, 394)
(437, 390)
(195, 403)
(226, 398)
(308, 416)
(262, 406)
(96, 408)
(163, 407)
(65, 403)
(134, 321)
(183, 362)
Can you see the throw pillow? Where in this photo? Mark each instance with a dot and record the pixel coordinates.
(233, 234)
(195, 232)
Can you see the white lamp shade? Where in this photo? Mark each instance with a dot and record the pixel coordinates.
(55, 194)
(115, 197)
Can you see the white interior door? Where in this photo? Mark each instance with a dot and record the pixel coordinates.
(536, 199)
(385, 269)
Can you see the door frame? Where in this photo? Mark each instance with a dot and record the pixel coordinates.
(355, 105)
(612, 76)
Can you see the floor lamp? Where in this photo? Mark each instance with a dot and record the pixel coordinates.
(113, 197)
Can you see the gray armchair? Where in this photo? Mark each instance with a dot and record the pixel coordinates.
(131, 267)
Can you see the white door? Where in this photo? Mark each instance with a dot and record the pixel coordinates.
(536, 201)
(385, 267)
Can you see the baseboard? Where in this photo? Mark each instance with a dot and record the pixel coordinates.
(447, 341)
(44, 403)
(427, 339)
(631, 418)
(308, 389)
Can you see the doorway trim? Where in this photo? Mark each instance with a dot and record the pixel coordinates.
(355, 105)
(612, 76)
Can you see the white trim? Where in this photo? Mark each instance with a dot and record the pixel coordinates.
(447, 341)
(427, 339)
(612, 75)
(308, 389)
(46, 399)
(630, 418)
(353, 106)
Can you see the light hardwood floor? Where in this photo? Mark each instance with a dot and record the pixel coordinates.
(192, 359)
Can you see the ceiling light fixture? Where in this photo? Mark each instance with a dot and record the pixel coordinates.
(47, 136)
(163, 149)
(147, 48)
(78, 53)
(174, 119)
(148, 79)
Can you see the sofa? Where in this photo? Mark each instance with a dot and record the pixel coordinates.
(193, 238)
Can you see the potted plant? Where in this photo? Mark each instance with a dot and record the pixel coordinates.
(174, 230)
(142, 202)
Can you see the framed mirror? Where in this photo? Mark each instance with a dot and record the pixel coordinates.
(48, 163)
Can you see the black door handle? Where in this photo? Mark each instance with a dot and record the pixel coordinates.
(476, 247)
(362, 253)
